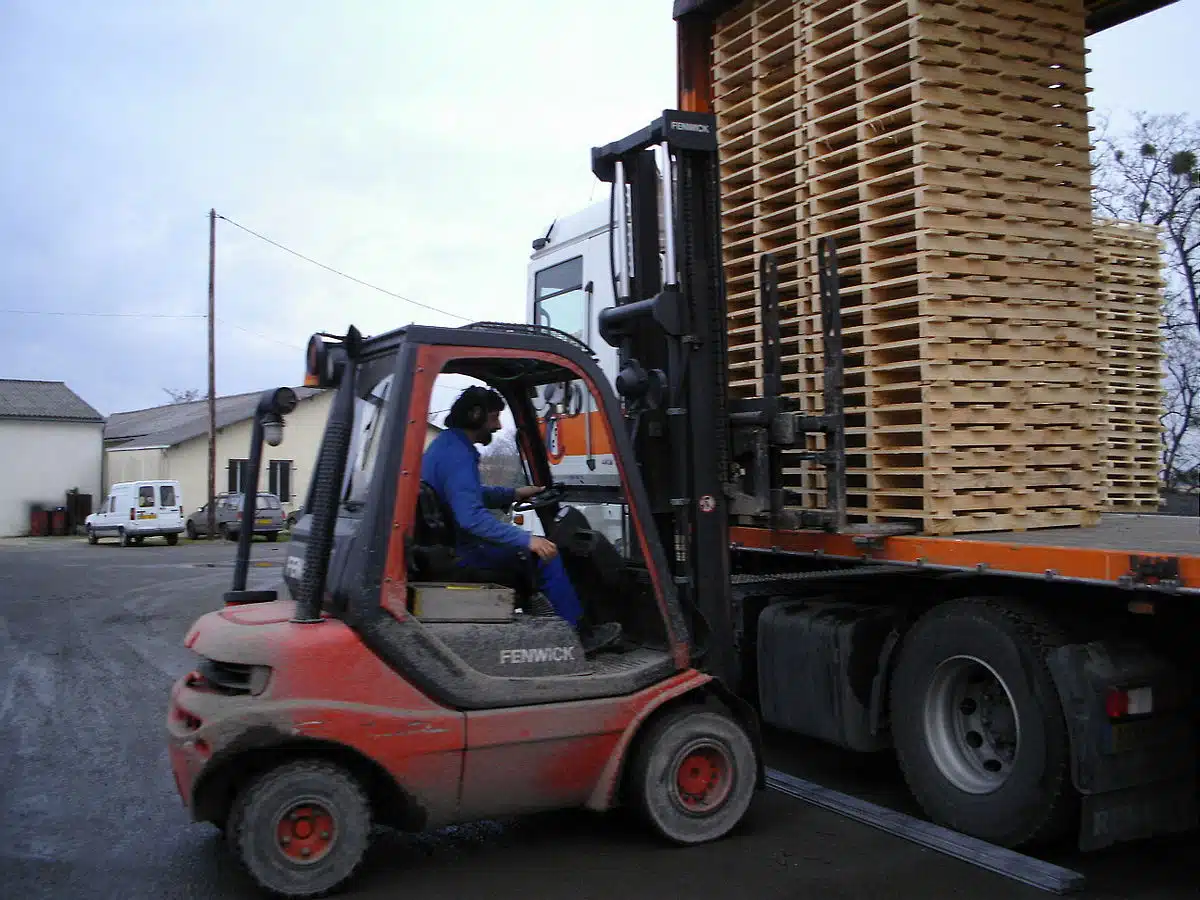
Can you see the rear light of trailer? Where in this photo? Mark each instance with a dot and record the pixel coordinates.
(1122, 703)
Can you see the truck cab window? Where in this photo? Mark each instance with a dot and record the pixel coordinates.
(560, 299)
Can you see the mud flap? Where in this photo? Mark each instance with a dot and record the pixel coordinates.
(817, 669)
(1136, 777)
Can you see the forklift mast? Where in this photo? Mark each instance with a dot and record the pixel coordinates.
(668, 325)
(707, 460)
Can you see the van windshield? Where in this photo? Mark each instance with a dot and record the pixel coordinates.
(166, 495)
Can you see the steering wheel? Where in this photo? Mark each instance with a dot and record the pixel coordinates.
(549, 497)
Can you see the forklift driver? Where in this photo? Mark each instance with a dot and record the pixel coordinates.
(451, 467)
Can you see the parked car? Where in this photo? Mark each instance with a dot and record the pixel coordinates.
(136, 510)
(268, 517)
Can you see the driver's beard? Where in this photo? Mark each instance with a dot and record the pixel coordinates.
(485, 437)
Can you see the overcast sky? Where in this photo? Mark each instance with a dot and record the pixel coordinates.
(417, 146)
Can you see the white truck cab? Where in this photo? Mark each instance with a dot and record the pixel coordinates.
(136, 510)
(570, 280)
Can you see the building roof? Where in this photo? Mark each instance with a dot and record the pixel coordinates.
(166, 426)
(45, 400)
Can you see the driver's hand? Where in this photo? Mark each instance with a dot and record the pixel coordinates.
(524, 493)
(544, 549)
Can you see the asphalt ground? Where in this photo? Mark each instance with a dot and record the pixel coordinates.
(90, 641)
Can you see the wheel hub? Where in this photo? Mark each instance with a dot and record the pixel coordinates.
(305, 832)
(703, 777)
(971, 725)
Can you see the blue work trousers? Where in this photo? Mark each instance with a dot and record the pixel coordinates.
(553, 580)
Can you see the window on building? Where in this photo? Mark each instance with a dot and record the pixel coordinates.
(238, 475)
(281, 479)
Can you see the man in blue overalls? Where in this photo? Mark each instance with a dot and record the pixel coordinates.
(451, 467)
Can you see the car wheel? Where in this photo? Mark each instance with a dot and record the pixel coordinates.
(693, 775)
(191, 531)
(172, 540)
(91, 535)
(978, 727)
(227, 533)
(301, 829)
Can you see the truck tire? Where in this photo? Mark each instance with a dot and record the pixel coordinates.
(977, 723)
(693, 775)
(300, 829)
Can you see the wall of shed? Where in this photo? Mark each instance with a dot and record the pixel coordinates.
(42, 461)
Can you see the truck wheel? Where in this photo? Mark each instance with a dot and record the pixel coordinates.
(172, 540)
(92, 539)
(693, 775)
(977, 723)
(300, 829)
(126, 540)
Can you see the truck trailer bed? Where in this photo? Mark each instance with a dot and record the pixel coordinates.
(1145, 552)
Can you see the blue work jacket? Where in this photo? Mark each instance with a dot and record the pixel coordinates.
(451, 467)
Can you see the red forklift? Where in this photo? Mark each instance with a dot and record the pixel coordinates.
(395, 687)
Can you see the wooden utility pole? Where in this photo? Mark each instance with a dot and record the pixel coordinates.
(212, 376)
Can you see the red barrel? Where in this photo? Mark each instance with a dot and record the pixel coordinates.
(39, 523)
(58, 521)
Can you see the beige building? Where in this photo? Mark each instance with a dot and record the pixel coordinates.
(172, 442)
(50, 442)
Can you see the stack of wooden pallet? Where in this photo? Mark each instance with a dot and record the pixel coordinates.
(944, 145)
(1129, 286)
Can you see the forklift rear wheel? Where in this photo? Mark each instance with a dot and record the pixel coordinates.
(693, 775)
(301, 829)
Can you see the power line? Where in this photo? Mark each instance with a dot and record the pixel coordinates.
(101, 315)
(257, 334)
(322, 265)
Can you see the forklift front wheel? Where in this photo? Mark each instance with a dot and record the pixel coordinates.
(301, 829)
(694, 775)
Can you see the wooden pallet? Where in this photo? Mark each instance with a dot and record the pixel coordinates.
(1129, 284)
(934, 142)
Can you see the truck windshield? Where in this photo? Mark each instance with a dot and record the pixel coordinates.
(370, 418)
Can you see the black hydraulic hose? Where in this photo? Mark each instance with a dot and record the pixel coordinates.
(331, 466)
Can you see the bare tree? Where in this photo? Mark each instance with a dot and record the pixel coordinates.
(191, 395)
(1181, 414)
(1151, 175)
(500, 461)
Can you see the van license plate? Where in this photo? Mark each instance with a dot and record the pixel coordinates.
(263, 521)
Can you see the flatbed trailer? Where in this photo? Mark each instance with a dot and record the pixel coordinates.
(1139, 553)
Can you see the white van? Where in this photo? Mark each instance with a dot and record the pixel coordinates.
(136, 510)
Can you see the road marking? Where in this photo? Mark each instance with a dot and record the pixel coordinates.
(1025, 869)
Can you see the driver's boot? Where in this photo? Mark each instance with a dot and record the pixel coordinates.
(604, 636)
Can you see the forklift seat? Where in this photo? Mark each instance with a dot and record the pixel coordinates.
(432, 555)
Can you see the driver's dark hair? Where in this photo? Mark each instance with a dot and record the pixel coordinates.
(474, 397)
